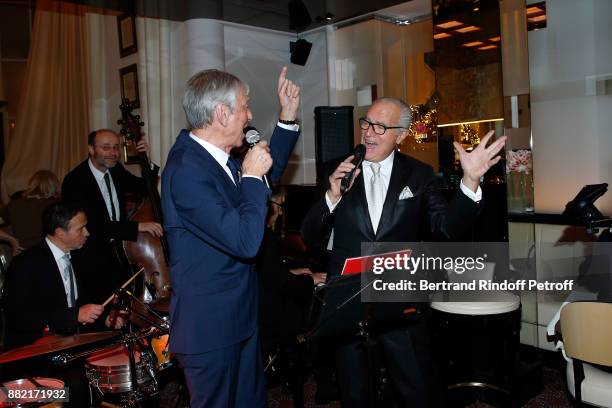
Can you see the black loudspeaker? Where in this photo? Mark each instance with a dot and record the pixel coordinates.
(334, 134)
(300, 50)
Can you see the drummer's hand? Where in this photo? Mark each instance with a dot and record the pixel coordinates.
(319, 278)
(89, 313)
(117, 319)
(152, 228)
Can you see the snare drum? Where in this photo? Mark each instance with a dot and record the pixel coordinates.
(160, 348)
(108, 370)
(27, 384)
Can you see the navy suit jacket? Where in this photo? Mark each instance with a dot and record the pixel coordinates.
(214, 229)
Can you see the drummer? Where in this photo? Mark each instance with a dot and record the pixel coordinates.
(41, 292)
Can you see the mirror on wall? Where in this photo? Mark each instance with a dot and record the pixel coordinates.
(467, 61)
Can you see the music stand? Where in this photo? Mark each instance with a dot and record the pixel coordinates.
(337, 310)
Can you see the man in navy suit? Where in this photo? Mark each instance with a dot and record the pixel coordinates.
(393, 199)
(214, 216)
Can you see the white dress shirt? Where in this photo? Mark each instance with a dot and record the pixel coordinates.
(386, 167)
(99, 176)
(221, 156)
(58, 255)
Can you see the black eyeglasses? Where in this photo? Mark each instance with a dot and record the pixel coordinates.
(377, 127)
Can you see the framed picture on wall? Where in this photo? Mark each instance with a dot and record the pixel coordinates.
(129, 84)
(126, 26)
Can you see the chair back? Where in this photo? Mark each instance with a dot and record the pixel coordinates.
(587, 331)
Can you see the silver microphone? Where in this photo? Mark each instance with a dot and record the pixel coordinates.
(253, 137)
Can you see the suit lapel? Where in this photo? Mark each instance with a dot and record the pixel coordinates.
(92, 184)
(363, 213)
(119, 189)
(214, 167)
(55, 277)
(397, 182)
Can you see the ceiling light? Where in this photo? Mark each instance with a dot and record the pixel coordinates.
(467, 29)
(471, 122)
(533, 10)
(440, 36)
(472, 44)
(537, 19)
(495, 39)
(476, 9)
(486, 47)
(450, 24)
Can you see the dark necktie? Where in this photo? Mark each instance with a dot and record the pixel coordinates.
(233, 166)
(68, 270)
(110, 195)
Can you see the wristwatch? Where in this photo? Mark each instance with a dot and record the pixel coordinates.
(288, 122)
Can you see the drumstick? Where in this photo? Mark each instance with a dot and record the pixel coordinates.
(127, 282)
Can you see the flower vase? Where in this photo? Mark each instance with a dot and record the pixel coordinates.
(515, 189)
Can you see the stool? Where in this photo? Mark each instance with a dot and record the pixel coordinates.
(476, 339)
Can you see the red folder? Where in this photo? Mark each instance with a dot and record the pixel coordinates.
(361, 264)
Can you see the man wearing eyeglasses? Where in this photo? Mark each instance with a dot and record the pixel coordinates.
(99, 185)
(391, 199)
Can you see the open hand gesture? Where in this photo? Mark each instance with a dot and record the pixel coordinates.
(476, 163)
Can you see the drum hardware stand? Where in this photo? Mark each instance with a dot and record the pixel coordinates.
(124, 293)
(135, 395)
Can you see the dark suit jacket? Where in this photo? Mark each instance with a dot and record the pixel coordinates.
(409, 220)
(284, 298)
(214, 229)
(34, 297)
(103, 273)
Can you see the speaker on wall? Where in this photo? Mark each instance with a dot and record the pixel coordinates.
(334, 134)
(300, 50)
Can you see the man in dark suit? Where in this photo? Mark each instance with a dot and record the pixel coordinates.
(99, 186)
(41, 294)
(214, 221)
(391, 199)
(40, 290)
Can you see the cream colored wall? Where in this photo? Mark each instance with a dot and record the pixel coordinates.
(572, 142)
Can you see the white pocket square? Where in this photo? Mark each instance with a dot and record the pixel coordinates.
(406, 193)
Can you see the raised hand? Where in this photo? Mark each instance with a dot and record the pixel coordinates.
(143, 145)
(480, 160)
(288, 96)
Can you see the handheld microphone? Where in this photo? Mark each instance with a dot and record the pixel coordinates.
(359, 154)
(253, 137)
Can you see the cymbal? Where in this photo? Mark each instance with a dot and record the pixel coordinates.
(55, 343)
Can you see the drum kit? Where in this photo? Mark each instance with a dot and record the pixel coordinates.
(122, 369)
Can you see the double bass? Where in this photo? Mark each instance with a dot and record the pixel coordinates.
(150, 252)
